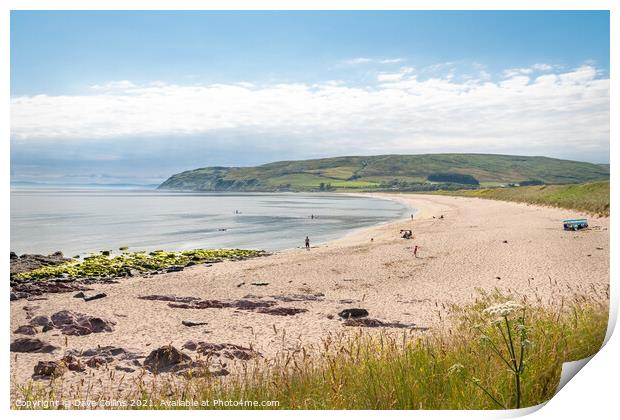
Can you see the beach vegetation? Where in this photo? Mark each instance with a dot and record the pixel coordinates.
(590, 197)
(106, 265)
(501, 351)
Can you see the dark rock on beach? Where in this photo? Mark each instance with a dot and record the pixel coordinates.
(41, 321)
(75, 323)
(375, 323)
(29, 262)
(225, 350)
(31, 345)
(29, 289)
(48, 369)
(94, 297)
(353, 313)
(193, 323)
(281, 311)
(185, 302)
(26, 330)
(316, 297)
(73, 363)
(167, 359)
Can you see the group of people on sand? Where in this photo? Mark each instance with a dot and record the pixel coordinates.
(406, 234)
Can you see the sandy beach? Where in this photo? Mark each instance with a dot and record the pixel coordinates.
(478, 244)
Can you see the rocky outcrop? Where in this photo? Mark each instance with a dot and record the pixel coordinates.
(167, 359)
(353, 313)
(28, 289)
(31, 345)
(48, 369)
(25, 330)
(248, 304)
(225, 350)
(75, 323)
(375, 323)
(281, 311)
(29, 262)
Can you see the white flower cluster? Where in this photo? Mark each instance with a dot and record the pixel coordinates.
(455, 369)
(503, 309)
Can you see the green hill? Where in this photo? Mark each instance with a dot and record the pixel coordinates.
(389, 172)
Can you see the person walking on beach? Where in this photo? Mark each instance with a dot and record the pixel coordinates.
(415, 251)
(307, 243)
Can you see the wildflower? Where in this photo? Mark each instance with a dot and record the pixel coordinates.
(503, 309)
(455, 369)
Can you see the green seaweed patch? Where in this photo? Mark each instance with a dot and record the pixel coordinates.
(101, 265)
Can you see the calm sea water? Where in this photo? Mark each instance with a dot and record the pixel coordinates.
(81, 221)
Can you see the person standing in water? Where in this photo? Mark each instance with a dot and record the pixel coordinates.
(307, 243)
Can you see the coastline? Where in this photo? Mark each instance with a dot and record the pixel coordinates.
(480, 244)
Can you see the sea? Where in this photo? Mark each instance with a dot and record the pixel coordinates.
(83, 221)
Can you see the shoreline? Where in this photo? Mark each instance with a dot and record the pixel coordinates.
(481, 244)
(239, 239)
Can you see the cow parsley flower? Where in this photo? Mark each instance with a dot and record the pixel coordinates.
(503, 309)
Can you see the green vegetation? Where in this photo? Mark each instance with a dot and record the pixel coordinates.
(591, 197)
(453, 178)
(388, 172)
(104, 265)
(469, 364)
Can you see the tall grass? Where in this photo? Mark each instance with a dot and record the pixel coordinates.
(471, 363)
(591, 197)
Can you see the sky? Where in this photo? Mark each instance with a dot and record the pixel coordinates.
(133, 97)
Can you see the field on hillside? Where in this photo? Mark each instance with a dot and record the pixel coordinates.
(387, 172)
(591, 197)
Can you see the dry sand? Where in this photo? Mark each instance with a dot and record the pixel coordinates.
(478, 244)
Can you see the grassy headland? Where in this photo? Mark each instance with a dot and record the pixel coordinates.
(426, 172)
(590, 197)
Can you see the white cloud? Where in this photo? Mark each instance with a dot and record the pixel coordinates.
(358, 60)
(394, 77)
(516, 72)
(391, 61)
(116, 85)
(542, 67)
(400, 114)
(366, 60)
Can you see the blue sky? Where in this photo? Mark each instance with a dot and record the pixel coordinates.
(135, 96)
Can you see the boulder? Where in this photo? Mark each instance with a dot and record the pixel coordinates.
(353, 313)
(96, 361)
(26, 330)
(31, 345)
(29, 262)
(73, 363)
(48, 369)
(75, 323)
(94, 297)
(41, 321)
(166, 359)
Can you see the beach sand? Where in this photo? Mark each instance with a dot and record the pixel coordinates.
(479, 244)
